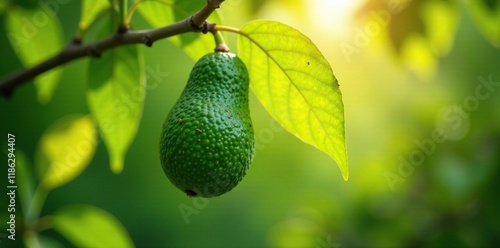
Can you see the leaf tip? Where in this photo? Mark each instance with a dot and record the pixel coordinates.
(345, 170)
(117, 165)
(345, 176)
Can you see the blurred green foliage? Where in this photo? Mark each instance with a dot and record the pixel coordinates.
(293, 196)
(23, 28)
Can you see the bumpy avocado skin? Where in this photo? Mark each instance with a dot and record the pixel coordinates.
(207, 141)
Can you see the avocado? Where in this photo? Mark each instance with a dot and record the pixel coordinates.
(207, 140)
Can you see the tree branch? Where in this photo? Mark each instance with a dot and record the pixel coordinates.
(195, 23)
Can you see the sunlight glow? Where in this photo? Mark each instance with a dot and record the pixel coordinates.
(335, 14)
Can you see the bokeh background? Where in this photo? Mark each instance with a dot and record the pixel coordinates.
(407, 70)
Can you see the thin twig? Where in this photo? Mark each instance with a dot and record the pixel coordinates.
(195, 23)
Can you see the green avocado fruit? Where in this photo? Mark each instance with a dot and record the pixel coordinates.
(207, 140)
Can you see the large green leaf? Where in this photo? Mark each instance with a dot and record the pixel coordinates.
(36, 35)
(295, 83)
(65, 149)
(90, 10)
(115, 95)
(165, 12)
(486, 14)
(88, 226)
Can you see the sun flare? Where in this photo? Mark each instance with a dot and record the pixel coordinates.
(334, 13)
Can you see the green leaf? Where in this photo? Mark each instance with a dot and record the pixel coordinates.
(486, 14)
(24, 177)
(90, 11)
(46, 242)
(157, 13)
(295, 83)
(3, 6)
(88, 226)
(64, 150)
(162, 13)
(35, 36)
(115, 95)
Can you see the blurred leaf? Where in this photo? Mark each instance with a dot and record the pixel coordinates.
(420, 48)
(486, 14)
(418, 56)
(3, 6)
(295, 83)
(115, 95)
(406, 23)
(90, 11)
(162, 13)
(420, 31)
(64, 150)
(157, 13)
(36, 35)
(25, 178)
(47, 242)
(441, 21)
(41, 241)
(88, 226)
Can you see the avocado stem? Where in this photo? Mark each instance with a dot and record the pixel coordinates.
(220, 44)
